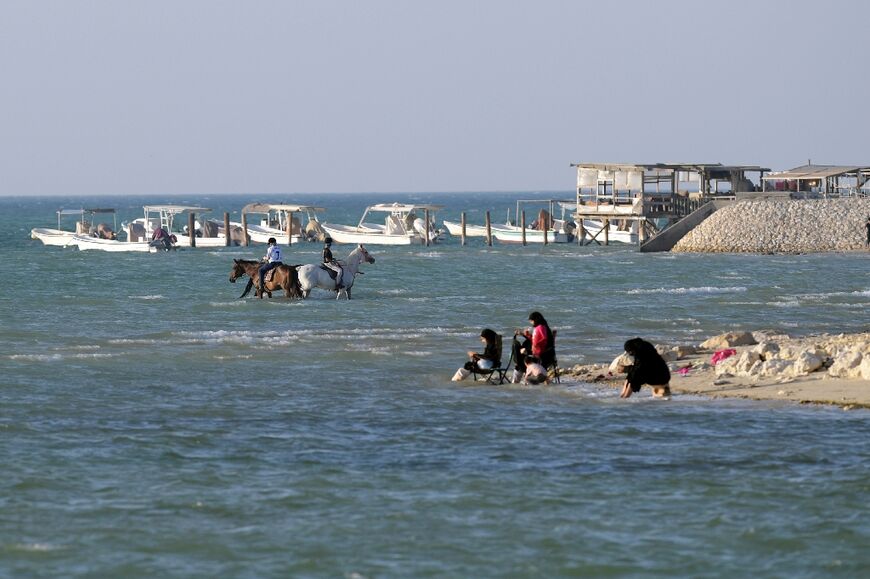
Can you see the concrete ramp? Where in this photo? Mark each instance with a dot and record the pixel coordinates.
(668, 238)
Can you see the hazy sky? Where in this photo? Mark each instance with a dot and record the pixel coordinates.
(185, 96)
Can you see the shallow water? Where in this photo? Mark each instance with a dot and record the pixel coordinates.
(152, 424)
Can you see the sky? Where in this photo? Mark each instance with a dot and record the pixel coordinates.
(194, 97)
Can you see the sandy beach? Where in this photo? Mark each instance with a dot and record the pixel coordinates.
(820, 369)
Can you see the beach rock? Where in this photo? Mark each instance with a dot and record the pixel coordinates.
(775, 367)
(746, 363)
(846, 364)
(682, 351)
(667, 354)
(620, 363)
(729, 340)
(766, 350)
(864, 368)
(808, 361)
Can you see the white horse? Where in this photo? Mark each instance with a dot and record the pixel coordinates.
(315, 275)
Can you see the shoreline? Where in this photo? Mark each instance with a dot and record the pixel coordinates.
(820, 369)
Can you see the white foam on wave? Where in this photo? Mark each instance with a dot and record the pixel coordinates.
(148, 297)
(35, 547)
(58, 357)
(393, 292)
(825, 296)
(689, 290)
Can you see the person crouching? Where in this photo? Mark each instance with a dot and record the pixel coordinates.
(648, 368)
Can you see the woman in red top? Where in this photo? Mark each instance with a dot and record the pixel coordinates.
(542, 339)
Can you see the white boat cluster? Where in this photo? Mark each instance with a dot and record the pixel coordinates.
(381, 224)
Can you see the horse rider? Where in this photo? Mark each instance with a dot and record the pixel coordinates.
(331, 262)
(271, 260)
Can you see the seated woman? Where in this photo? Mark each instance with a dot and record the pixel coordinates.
(521, 349)
(648, 368)
(535, 373)
(488, 359)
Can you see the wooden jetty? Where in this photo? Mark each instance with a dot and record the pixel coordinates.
(648, 198)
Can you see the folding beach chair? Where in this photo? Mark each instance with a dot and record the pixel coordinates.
(498, 373)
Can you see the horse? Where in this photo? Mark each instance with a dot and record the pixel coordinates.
(315, 275)
(284, 277)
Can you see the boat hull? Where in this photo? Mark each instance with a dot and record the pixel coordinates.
(54, 237)
(84, 243)
(367, 235)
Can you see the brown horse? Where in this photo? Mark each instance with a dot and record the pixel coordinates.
(283, 277)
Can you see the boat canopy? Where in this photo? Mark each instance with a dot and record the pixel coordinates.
(268, 207)
(83, 211)
(175, 209)
(403, 207)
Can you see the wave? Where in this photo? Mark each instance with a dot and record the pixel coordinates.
(58, 357)
(689, 290)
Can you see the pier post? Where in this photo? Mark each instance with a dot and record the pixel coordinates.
(523, 225)
(191, 219)
(227, 234)
(546, 229)
(246, 241)
(462, 225)
(607, 232)
(581, 238)
(289, 215)
(488, 230)
(426, 218)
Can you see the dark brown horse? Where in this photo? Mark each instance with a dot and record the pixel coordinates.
(283, 277)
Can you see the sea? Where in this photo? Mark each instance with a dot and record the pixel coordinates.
(154, 424)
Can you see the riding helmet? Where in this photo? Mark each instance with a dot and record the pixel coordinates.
(272, 240)
(327, 240)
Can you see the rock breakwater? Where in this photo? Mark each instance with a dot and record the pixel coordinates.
(782, 226)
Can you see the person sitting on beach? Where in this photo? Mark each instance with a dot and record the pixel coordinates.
(330, 262)
(488, 359)
(520, 349)
(535, 373)
(543, 344)
(648, 368)
(271, 260)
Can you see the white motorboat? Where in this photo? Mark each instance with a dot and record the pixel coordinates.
(274, 222)
(403, 225)
(61, 237)
(86, 242)
(617, 231)
(455, 228)
(559, 230)
(165, 217)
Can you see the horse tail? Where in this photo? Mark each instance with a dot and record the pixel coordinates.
(247, 288)
(293, 281)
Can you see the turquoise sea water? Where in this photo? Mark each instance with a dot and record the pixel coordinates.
(154, 425)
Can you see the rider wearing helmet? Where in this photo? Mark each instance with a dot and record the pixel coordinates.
(330, 262)
(271, 260)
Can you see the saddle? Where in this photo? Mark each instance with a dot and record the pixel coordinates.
(333, 275)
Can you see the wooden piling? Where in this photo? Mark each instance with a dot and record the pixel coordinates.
(462, 224)
(607, 232)
(227, 233)
(546, 230)
(246, 241)
(523, 225)
(488, 230)
(426, 218)
(191, 219)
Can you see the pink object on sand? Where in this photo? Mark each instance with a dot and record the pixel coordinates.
(720, 355)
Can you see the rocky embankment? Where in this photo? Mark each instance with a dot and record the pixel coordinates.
(782, 226)
(830, 369)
